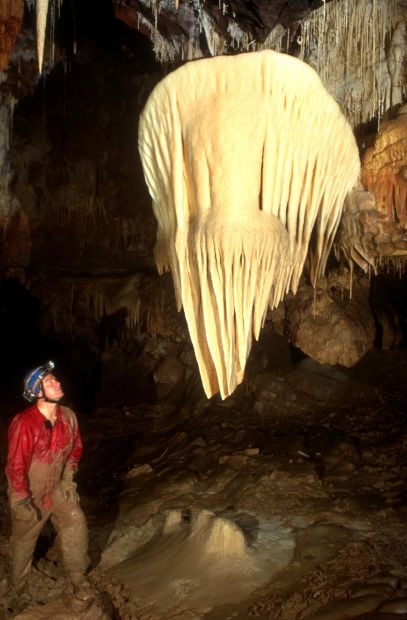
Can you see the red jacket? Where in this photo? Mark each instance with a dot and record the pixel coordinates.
(38, 454)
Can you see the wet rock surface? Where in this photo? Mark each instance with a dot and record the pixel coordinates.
(288, 501)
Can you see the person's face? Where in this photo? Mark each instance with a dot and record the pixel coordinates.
(52, 388)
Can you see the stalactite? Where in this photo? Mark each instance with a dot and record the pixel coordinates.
(341, 37)
(42, 12)
(106, 296)
(54, 10)
(350, 35)
(91, 300)
(46, 10)
(165, 51)
(7, 103)
(244, 156)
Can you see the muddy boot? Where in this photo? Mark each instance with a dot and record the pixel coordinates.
(83, 594)
(18, 599)
(49, 568)
(84, 591)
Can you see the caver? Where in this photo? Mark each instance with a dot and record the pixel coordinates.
(44, 448)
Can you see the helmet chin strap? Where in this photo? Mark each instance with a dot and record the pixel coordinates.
(44, 397)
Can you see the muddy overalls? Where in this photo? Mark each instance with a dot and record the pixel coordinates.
(41, 458)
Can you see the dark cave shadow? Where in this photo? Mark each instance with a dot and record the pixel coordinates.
(100, 483)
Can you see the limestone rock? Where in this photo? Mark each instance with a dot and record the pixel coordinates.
(11, 17)
(328, 325)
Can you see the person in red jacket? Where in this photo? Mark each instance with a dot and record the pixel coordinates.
(44, 448)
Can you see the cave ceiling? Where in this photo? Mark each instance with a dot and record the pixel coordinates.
(256, 18)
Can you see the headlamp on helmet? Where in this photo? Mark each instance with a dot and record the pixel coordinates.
(33, 381)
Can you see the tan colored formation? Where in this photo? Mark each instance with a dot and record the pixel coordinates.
(372, 233)
(384, 171)
(244, 156)
(41, 14)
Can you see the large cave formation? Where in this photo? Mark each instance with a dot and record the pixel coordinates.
(237, 462)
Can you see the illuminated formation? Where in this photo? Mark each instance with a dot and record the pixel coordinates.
(372, 232)
(244, 157)
(41, 15)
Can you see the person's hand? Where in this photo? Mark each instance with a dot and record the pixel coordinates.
(25, 511)
(68, 490)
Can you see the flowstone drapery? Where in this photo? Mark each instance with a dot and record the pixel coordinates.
(372, 233)
(245, 158)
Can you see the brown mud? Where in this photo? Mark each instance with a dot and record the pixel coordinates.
(286, 501)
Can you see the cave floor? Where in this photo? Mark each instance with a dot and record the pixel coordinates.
(286, 501)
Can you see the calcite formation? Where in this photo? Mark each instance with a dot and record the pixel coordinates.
(357, 48)
(245, 158)
(41, 8)
(373, 229)
(384, 169)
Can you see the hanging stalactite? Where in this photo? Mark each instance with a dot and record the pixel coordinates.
(41, 12)
(245, 157)
(345, 41)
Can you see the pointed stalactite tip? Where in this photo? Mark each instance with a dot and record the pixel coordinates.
(42, 12)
